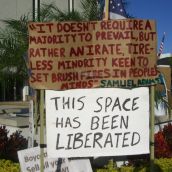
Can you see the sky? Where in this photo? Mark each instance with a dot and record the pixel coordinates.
(158, 10)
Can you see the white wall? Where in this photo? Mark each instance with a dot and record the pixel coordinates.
(14, 9)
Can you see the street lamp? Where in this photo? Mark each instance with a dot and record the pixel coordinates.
(36, 10)
(70, 5)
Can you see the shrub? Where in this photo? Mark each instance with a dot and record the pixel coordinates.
(160, 165)
(15, 143)
(9, 166)
(3, 140)
(165, 164)
(163, 142)
(167, 131)
(162, 149)
(10, 145)
(110, 167)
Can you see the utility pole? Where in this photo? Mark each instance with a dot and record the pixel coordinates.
(70, 5)
(36, 17)
(36, 10)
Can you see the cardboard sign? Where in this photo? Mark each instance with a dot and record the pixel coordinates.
(97, 122)
(30, 161)
(112, 53)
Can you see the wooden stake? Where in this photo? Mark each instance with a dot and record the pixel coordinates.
(37, 9)
(106, 10)
(42, 131)
(152, 126)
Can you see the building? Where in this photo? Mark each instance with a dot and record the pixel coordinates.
(165, 59)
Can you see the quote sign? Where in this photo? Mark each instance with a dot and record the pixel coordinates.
(109, 53)
(97, 122)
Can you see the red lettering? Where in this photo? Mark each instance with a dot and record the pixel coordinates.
(138, 48)
(38, 77)
(41, 65)
(140, 72)
(50, 52)
(79, 84)
(78, 51)
(123, 62)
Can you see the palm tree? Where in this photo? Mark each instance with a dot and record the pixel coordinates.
(14, 38)
(13, 44)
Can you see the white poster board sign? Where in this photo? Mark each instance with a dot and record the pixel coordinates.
(30, 161)
(81, 165)
(97, 122)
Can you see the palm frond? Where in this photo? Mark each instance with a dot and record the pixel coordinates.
(90, 9)
(18, 25)
(47, 12)
(16, 29)
(160, 100)
(14, 38)
(50, 12)
(68, 16)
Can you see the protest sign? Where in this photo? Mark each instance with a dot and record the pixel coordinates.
(109, 53)
(30, 162)
(97, 122)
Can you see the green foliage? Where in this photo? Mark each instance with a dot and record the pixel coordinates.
(127, 169)
(68, 16)
(14, 37)
(10, 145)
(50, 12)
(110, 167)
(13, 45)
(90, 10)
(3, 139)
(159, 99)
(165, 164)
(106, 170)
(160, 165)
(9, 166)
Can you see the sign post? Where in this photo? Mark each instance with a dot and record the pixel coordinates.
(106, 10)
(42, 145)
(152, 126)
(36, 16)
